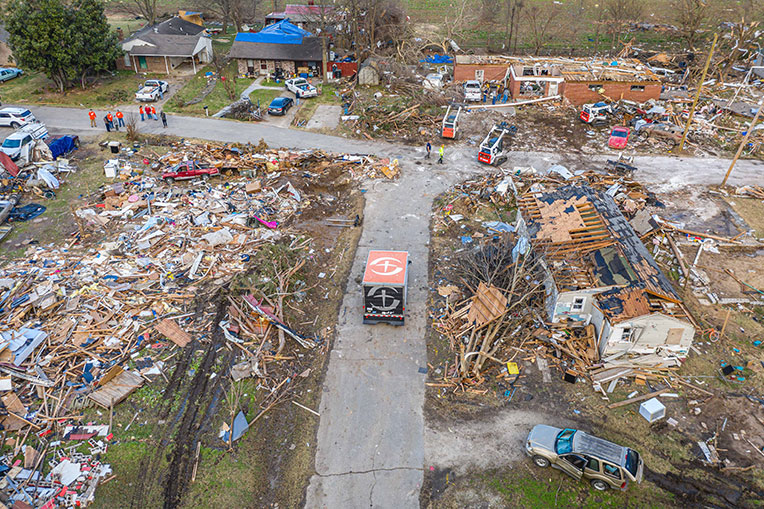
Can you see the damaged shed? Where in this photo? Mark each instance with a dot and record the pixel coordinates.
(599, 272)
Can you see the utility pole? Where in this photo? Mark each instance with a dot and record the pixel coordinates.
(697, 94)
(323, 58)
(743, 143)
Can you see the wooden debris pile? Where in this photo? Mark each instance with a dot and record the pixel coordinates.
(82, 327)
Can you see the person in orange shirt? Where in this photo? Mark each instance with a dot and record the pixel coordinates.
(120, 119)
(92, 116)
(110, 119)
(154, 113)
(140, 110)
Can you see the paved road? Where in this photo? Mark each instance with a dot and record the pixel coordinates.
(371, 448)
(658, 169)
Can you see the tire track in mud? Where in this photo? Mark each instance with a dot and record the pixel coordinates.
(167, 469)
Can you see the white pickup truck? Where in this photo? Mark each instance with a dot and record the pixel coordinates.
(301, 88)
(472, 91)
(20, 145)
(152, 90)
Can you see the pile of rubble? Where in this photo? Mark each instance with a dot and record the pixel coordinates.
(522, 283)
(90, 326)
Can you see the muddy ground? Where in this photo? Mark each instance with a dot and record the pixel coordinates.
(475, 435)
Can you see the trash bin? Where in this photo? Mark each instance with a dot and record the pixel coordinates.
(114, 146)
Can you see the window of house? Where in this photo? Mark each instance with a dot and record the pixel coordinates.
(578, 304)
(637, 88)
(594, 87)
(626, 334)
(527, 71)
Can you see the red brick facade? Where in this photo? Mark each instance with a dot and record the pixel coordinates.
(491, 72)
(579, 92)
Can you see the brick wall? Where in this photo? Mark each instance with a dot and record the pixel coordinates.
(580, 93)
(154, 65)
(464, 72)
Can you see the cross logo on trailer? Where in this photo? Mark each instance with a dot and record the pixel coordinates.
(386, 266)
(383, 301)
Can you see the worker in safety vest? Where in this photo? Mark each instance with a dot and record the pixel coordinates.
(92, 116)
(440, 154)
(110, 120)
(120, 119)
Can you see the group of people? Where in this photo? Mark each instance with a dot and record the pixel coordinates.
(441, 152)
(497, 93)
(111, 124)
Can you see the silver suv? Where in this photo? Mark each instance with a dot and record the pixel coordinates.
(15, 117)
(580, 455)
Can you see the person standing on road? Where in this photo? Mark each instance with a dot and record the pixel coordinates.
(92, 115)
(154, 113)
(440, 154)
(140, 110)
(428, 149)
(110, 118)
(164, 118)
(120, 119)
(106, 123)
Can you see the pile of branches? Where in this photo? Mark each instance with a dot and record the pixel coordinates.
(505, 288)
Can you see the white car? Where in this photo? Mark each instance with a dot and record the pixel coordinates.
(472, 91)
(152, 90)
(301, 88)
(15, 117)
(433, 81)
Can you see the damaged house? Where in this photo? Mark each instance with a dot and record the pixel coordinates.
(578, 80)
(599, 272)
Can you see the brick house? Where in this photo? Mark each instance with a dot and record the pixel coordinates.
(282, 46)
(165, 46)
(578, 80)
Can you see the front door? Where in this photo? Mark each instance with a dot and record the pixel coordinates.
(142, 63)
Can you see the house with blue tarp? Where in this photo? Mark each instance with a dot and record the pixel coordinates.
(281, 47)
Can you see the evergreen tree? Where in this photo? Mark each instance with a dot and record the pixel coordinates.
(66, 42)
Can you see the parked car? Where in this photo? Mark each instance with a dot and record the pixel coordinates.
(472, 91)
(8, 73)
(15, 117)
(280, 105)
(301, 88)
(595, 113)
(152, 90)
(187, 170)
(580, 455)
(433, 81)
(619, 136)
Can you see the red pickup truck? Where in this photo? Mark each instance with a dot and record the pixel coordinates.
(189, 170)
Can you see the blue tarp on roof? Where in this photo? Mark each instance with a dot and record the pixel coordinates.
(282, 32)
(438, 59)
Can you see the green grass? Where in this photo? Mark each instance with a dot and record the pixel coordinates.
(56, 223)
(264, 96)
(216, 99)
(35, 88)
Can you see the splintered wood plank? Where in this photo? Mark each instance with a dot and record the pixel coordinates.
(488, 304)
(173, 332)
(116, 389)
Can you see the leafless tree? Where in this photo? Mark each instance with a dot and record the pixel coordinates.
(489, 9)
(144, 8)
(690, 16)
(458, 19)
(540, 20)
(619, 13)
(743, 38)
(228, 11)
(512, 11)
